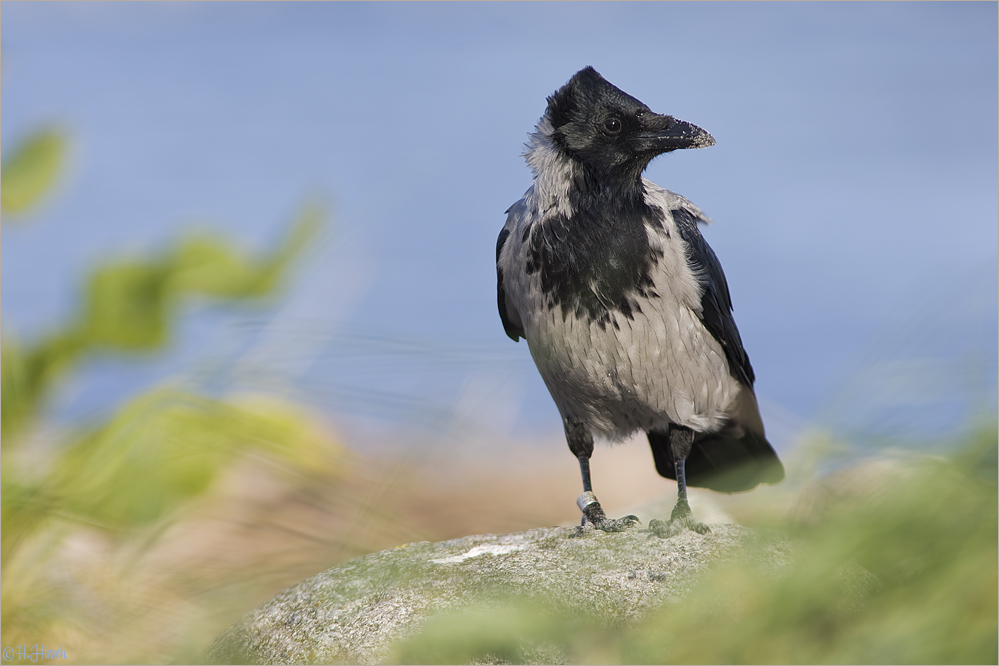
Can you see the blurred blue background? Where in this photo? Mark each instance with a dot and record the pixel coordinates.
(853, 189)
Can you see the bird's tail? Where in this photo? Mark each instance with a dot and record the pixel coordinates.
(731, 465)
(736, 458)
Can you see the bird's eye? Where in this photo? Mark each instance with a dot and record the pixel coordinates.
(612, 125)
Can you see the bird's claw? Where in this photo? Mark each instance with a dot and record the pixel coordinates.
(606, 525)
(594, 514)
(680, 519)
(617, 524)
(665, 529)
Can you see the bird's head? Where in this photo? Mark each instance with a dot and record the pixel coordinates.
(611, 132)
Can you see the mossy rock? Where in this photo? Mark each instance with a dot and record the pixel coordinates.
(357, 612)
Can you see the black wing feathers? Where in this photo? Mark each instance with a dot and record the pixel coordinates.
(716, 304)
(513, 330)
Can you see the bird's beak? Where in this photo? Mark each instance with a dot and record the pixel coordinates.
(665, 133)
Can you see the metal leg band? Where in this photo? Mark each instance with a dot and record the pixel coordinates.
(585, 500)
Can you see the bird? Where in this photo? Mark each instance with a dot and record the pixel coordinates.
(624, 306)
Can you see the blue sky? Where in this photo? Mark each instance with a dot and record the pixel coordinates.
(853, 187)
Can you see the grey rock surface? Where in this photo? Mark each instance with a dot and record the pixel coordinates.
(354, 612)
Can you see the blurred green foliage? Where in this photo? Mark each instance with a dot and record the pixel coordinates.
(160, 450)
(902, 572)
(31, 170)
(131, 304)
(129, 476)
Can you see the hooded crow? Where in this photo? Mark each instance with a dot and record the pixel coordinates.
(624, 307)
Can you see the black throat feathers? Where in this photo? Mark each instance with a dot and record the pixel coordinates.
(595, 263)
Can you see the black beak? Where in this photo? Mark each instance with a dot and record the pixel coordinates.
(662, 134)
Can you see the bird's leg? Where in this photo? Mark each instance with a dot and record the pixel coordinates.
(680, 440)
(588, 502)
(581, 444)
(681, 512)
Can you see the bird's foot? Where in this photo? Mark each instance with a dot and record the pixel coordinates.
(594, 514)
(681, 519)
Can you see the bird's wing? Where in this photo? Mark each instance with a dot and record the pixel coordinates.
(716, 304)
(737, 457)
(512, 323)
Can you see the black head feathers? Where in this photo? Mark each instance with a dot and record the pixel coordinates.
(611, 133)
